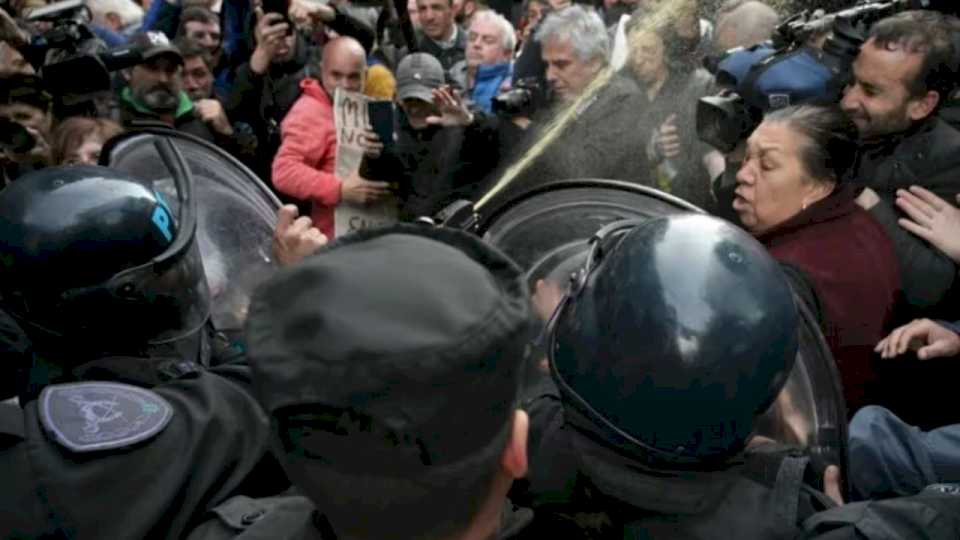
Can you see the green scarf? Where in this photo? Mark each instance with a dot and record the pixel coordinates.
(185, 105)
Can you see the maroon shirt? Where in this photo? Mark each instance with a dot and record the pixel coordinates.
(851, 262)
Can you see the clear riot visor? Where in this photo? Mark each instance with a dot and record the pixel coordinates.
(162, 300)
(168, 298)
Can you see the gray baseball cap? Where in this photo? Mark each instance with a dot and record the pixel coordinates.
(417, 76)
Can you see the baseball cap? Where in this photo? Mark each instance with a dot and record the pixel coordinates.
(417, 76)
(421, 331)
(154, 44)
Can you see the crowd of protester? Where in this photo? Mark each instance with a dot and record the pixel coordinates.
(858, 198)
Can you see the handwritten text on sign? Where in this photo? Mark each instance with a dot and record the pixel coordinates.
(350, 116)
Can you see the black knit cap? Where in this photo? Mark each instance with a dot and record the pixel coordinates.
(421, 331)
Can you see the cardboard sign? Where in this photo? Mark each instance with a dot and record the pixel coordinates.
(350, 117)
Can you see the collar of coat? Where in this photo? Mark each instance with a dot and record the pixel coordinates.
(184, 104)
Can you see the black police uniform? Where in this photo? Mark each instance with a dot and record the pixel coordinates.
(675, 335)
(763, 493)
(156, 461)
(109, 442)
(402, 378)
(294, 516)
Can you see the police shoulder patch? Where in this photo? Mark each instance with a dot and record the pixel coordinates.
(94, 416)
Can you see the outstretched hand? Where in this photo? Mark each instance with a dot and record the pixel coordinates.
(453, 111)
(931, 218)
(928, 338)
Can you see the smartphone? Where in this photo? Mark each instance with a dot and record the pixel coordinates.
(278, 6)
(381, 114)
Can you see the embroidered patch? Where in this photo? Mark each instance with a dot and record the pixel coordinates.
(92, 416)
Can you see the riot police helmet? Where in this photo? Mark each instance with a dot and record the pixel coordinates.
(674, 335)
(93, 257)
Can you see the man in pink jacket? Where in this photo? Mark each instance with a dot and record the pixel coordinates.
(304, 166)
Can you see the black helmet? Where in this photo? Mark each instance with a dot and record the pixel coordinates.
(676, 333)
(96, 258)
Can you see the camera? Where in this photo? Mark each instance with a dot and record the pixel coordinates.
(525, 98)
(788, 70)
(76, 64)
(14, 138)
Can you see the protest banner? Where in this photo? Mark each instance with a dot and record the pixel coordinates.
(350, 118)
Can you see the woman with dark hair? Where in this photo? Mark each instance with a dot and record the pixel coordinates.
(789, 197)
(79, 139)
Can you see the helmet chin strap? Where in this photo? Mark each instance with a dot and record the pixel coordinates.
(190, 346)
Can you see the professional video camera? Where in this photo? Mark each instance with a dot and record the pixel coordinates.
(789, 70)
(76, 63)
(526, 96)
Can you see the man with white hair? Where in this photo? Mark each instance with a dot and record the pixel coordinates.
(575, 49)
(121, 16)
(749, 23)
(603, 140)
(488, 66)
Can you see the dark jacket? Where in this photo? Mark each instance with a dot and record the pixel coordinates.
(932, 513)
(927, 274)
(601, 142)
(133, 114)
(262, 100)
(678, 97)
(529, 65)
(851, 263)
(294, 517)
(447, 57)
(579, 487)
(214, 446)
(437, 165)
(927, 155)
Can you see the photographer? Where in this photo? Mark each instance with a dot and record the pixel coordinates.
(266, 87)
(26, 120)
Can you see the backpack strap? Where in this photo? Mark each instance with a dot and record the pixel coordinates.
(784, 472)
(786, 491)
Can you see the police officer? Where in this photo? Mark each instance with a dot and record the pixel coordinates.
(390, 364)
(117, 434)
(677, 333)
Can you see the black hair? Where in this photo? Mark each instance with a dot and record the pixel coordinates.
(191, 49)
(932, 34)
(195, 13)
(831, 136)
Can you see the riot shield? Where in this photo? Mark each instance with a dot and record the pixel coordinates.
(236, 213)
(546, 231)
